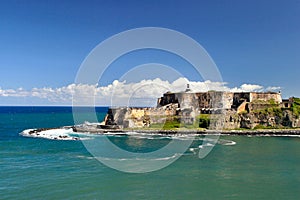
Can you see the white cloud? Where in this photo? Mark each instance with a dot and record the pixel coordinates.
(251, 87)
(273, 88)
(122, 93)
(248, 88)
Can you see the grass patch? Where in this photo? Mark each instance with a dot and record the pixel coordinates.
(175, 123)
(273, 111)
(171, 123)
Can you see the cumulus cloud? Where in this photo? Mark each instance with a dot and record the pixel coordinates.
(119, 93)
(248, 88)
(273, 88)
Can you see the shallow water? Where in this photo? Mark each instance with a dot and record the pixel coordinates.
(37, 168)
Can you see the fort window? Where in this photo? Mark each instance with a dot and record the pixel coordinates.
(286, 105)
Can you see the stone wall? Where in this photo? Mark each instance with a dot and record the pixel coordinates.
(131, 117)
(167, 98)
(186, 106)
(265, 96)
(144, 117)
(258, 106)
(199, 100)
(228, 100)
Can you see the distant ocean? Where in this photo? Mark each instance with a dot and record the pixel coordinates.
(39, 168)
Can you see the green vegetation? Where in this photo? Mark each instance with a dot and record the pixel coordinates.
(170, 123)
(204, 120)
(273, 110)
(175, 123)
(270, 102)
(296, 107)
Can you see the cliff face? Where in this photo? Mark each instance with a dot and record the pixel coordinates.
(144, 117)
(212, 110)
(139, 117)
(285, 119)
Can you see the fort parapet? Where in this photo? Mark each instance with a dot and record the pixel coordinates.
(187, 105)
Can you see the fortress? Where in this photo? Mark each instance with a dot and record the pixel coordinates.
(187, 106)
(209, 101)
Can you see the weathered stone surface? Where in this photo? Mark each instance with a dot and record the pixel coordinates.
(251, 120)
(187, 106)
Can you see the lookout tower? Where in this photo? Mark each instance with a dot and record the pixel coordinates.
(188, 88)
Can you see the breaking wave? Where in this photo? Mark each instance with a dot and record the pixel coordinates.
(68, 134)
(143, 158)
(226, 142)
(54, 134)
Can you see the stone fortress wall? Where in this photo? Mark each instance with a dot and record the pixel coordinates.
(218, 99)
(187, 105)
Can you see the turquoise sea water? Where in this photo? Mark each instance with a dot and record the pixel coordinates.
(36, 168)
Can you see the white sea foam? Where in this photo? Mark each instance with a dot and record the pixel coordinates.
(205, 145)
(85, 157)
(219, 142)
(154, 136)
(192, 151)
(141, 158)
(52, 134)
(68, 134)
(226, 142)
(230, 143)
(168, 158)
(276, 135)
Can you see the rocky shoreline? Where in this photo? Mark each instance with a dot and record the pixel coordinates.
(79, 132)
(96, 130)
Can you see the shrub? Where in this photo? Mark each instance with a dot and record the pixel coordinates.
(296, 107)
(204, 120)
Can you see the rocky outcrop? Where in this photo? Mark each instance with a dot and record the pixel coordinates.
(144, 117)
(131, 117)
(214, 109)
(286, 119)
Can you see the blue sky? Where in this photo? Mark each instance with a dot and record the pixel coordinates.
(43, 43)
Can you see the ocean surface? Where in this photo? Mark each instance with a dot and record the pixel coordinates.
(238, 167)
